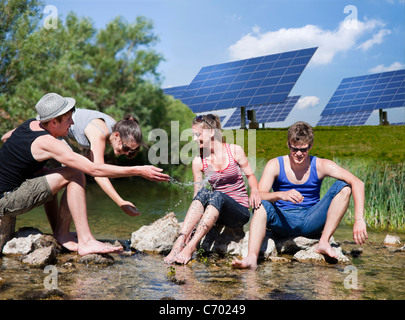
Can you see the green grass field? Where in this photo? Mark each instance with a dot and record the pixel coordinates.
(379, 143)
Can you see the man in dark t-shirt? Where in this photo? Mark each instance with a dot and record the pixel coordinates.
(25, 153)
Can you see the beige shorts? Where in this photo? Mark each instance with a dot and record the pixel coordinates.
(32, 193)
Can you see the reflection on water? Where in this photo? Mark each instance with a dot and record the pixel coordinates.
(380, 271)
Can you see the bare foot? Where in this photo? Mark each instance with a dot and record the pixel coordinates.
(177, 247)
(68, 241)
(184, 256)
(94, 246)
(245, 263)
(326, 248)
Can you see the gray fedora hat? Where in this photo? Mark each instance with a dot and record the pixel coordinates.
(53, 105)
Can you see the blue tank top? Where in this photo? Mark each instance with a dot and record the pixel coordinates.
(310, 189)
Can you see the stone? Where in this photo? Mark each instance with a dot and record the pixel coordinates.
(310, 255)
(222, 240)
(26, 240)
(160, 236)
(157, 237)
(41, 257)
(291, 245)
(97, 259)
(392, 240)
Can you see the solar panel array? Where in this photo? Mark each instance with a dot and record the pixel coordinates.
(256, 81)
(266, 113)
(366, 93)
(176, 92)
(345, 119)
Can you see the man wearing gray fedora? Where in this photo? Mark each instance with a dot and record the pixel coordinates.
(24, 184)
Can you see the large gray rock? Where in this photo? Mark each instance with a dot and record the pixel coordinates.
(224, 240)
(41, 257)
(27, 240)
(157, 237)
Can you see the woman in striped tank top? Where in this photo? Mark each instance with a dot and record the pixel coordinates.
(227, 201)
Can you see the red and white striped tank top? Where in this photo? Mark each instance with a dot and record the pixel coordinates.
(229, 181)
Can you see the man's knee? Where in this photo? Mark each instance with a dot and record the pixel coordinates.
(61, 177)
(346, 192)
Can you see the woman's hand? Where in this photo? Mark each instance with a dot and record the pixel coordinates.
(153, 173)
(254, 200)
(129, 208)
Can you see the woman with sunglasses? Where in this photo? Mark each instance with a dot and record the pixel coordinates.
(226, 202)
(93, 130)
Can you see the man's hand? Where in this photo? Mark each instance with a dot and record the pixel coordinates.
(360, 231)
(292, 195)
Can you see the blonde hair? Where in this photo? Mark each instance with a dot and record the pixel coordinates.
(210, 121)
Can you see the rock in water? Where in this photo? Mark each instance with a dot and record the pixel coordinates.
(157, 237)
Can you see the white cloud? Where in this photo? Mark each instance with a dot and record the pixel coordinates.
(329, 42)
(376, 39)
(306, 102)
(381, 68)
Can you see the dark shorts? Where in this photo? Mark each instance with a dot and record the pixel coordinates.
(32, 193)
(301, 221)
(231, 213)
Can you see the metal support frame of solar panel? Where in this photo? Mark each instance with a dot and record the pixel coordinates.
(249, 82)
(266, 113)
(345, 119)
(369, 92)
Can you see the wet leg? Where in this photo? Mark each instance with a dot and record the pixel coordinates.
(192, 218)
(336, 211)
(257, 232)
(208, 220)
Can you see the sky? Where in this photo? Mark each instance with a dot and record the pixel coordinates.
(354, 37)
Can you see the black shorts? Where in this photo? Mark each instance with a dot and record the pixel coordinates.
(231, 213)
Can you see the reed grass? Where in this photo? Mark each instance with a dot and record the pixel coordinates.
(384, 192)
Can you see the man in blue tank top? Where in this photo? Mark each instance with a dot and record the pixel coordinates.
(294, 208)
(23, 186)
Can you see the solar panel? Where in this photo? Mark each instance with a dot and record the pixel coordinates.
(266, 113)
(250, 82)
(368, 92)
(176, 92)
(345, 119)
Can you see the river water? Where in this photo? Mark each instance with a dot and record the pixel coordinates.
(377, 273)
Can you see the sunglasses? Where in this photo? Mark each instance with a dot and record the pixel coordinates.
(126, 149)
(201, 118)
(303, 150)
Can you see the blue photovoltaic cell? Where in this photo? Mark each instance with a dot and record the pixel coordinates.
(345, 119)
(368, 92)
(256, 81)
(266, 113)
(176, 92)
